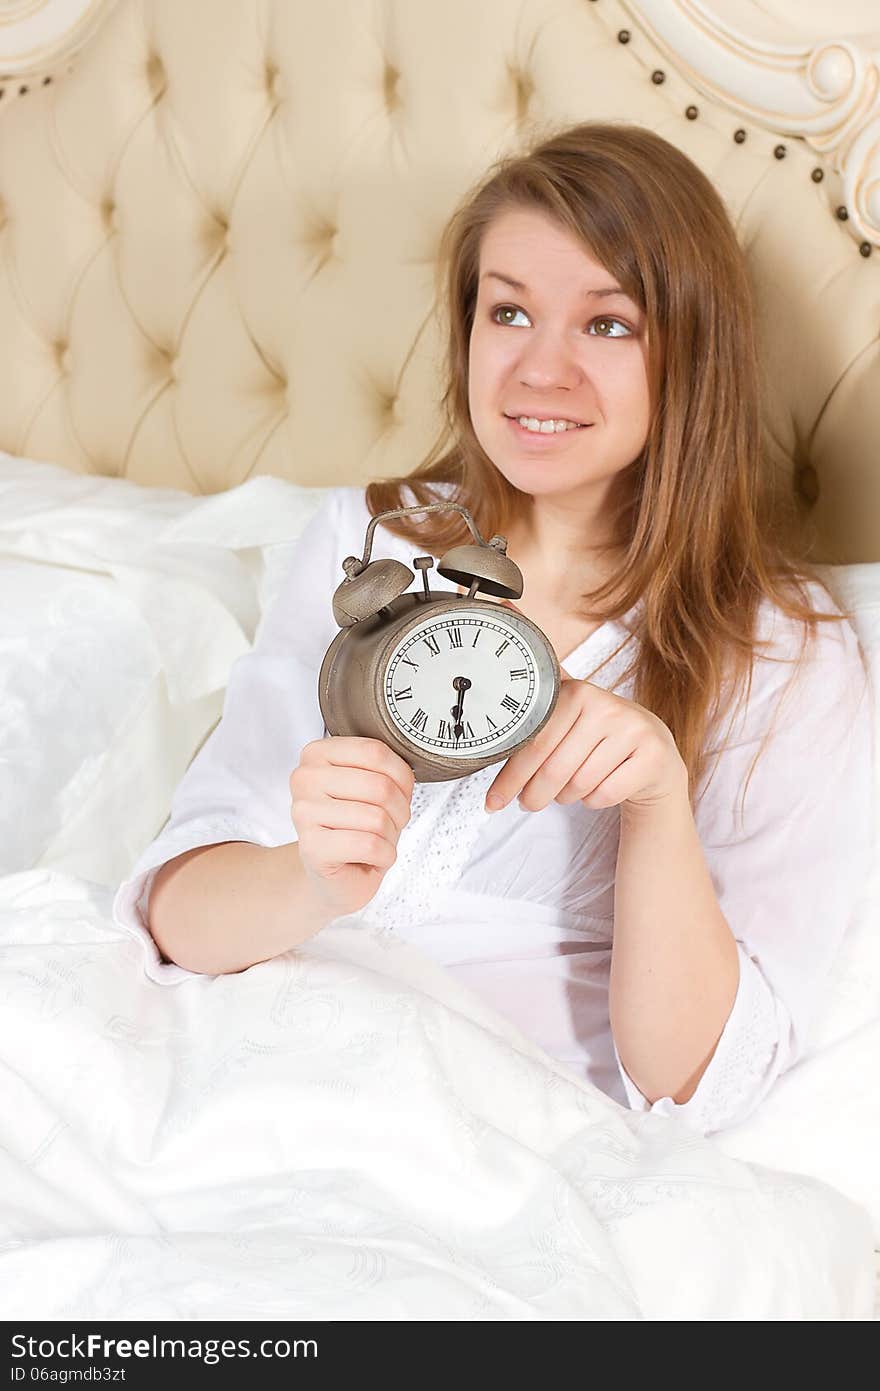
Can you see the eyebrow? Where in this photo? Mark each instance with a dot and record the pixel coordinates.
(601, 293)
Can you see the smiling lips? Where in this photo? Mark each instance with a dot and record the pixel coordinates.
(536, 428)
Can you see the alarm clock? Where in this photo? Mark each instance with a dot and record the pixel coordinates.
(450, 682)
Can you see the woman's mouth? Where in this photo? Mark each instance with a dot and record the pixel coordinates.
(544, 437)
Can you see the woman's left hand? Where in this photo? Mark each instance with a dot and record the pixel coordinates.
(596, 748)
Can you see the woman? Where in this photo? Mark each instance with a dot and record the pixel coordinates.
(603, 411)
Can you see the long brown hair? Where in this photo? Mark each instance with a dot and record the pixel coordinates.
(702, 544)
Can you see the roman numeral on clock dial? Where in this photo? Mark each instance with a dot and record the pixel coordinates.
(446, 730)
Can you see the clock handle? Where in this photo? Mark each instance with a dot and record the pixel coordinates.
(483, 565)
(428, 507)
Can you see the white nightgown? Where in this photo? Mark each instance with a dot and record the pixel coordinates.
(520, 905)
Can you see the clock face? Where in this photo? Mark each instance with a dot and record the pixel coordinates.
(466, 681)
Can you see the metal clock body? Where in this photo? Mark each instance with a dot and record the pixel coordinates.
(451, 682)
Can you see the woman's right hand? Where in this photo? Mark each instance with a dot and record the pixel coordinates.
(350, 798)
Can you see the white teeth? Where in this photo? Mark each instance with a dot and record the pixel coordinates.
(545, 427)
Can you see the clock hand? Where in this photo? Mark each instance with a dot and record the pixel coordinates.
(461, 684)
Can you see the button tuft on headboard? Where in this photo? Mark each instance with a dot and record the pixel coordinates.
(274, 83)
(807, 483)
(390, 81)
(524, 90)
(157, 78)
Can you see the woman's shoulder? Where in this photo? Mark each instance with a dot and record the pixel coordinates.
(814, 677)
(810, 692)
(783, 637)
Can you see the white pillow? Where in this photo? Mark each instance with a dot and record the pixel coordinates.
(124, 610)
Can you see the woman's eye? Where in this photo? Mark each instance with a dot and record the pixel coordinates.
(506, 309)
(610, 328)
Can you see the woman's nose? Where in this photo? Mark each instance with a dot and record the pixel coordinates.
(550, 360)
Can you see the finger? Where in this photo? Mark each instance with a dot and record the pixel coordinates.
(342, 848)
(337, 815)
(523, 764)
(623, 782)
(314, 784)
(557, 771)
(363, 787)
(604, 760)
(350, 751)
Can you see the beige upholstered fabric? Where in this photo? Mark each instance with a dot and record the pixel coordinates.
(217, 237)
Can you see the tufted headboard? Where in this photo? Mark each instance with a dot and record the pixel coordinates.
(218, 230)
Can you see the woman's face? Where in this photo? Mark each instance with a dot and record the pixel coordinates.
(565, 344)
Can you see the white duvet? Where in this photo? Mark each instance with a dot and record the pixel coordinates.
(345, 1132)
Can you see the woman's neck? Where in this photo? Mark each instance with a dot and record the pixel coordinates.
(560, 572)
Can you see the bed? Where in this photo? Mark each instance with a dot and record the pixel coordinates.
(218, 225)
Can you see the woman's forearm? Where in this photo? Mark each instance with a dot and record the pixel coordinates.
(675, 964)
(222, 908)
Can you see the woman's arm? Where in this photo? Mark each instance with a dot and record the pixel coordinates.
(783, 874)
(674, 963)
(223, 908)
